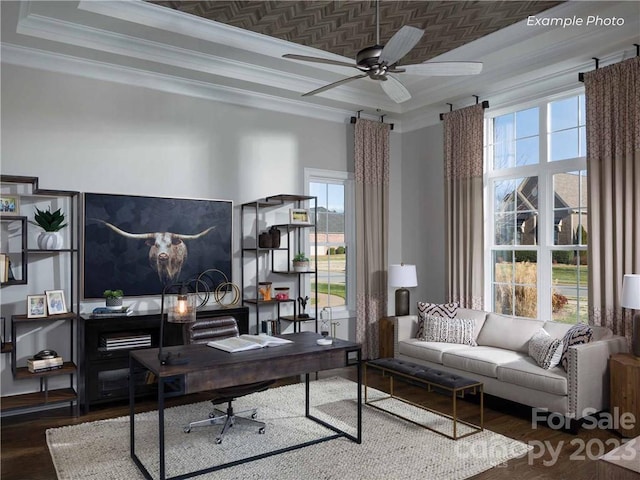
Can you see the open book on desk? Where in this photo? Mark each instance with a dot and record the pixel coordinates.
(247, 342)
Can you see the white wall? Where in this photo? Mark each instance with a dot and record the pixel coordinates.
(423, 227)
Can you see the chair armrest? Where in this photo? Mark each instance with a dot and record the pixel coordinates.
(588, 375)
(404, 327)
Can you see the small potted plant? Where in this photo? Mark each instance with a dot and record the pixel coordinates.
(113, 298)
(300, 262)
(51, 223)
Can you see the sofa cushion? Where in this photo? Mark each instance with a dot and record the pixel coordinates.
(576, 335)
(508, 332)
(525, 373)
(478, 317)
(545, 350)
(448, 330)
(480, 360)
(445, 310)
(429, 351)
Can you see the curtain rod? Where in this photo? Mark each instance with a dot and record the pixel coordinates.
(597, 62)
(353, 119)
(485, 104)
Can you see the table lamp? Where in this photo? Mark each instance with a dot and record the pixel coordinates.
(181, 308)
(631, 299)
(402, 276)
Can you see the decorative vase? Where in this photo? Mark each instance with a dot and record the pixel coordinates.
(275, 237)
(50, 241)
(264, 240)
(113, 302)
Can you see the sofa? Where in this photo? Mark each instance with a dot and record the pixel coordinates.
(501, 361)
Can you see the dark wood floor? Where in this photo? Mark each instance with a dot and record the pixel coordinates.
(24, 453)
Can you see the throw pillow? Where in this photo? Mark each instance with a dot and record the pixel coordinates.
(444, 310)
(545, 349)
(449, 330)
(576, 335)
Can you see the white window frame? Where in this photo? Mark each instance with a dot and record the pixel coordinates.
(347, 180)
(544, 170)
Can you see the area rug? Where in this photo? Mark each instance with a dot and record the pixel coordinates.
(391, 447)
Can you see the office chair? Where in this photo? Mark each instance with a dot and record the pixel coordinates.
(202, 331)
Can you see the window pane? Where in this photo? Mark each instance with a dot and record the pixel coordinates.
(319, 190)
(503, 129)
(564, 145)
(515, 283)
(505, 228)
(583, 141)
(504, 155)
(335, 198)
(527, 198)
(527, 122)
(527, 151)
(569, 302)
(583, 110)
(527, 228)
(564, 114)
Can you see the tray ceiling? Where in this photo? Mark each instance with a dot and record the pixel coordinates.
(345, 27)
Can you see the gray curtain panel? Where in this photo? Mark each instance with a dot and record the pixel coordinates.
(463, 147)
(372, 223)
(613, 166)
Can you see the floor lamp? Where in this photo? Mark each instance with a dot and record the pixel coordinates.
(402, 276)
(631, 299)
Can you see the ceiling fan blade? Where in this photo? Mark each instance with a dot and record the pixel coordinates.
(443, 68)
(334, 84)
(400, 44)
(395, 90)
(304, 58)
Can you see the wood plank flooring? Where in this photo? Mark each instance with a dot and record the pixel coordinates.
(24, 453)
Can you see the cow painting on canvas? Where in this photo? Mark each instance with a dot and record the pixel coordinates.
(142, 244)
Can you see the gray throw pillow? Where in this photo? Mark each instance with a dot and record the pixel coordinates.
(444, 310)
(449, 330)
(545, 349)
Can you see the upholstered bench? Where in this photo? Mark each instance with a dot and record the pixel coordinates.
(430, 378)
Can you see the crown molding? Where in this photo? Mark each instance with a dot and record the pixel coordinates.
(68, 65)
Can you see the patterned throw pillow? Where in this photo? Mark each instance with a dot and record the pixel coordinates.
(444, 310)
(545, 349)
(576, 335)
(449, 330)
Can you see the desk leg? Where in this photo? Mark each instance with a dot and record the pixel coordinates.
(359, 367)
(306, 394)
(161, 426)
(132, 410)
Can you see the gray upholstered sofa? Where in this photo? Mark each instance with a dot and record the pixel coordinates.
(501, 361)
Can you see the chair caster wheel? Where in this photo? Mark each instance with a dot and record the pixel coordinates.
(254, 415)
(186, 429)
(261, 430)
(218, 441)
(212, 414)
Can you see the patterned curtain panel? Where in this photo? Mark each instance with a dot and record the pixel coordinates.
(463, 146)
(372, 215)
(613, 167)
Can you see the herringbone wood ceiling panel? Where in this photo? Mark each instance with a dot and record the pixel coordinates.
(345, 27)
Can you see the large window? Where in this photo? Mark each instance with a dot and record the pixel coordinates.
(334, 239)
(536, 193)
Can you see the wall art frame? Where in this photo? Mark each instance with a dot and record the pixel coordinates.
(143, 243)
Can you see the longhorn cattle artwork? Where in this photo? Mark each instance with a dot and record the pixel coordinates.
(142, 244)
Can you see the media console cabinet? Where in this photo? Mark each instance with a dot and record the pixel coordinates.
(104, 372)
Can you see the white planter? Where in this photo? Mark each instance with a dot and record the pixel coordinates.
(50, 241)
(300, 266)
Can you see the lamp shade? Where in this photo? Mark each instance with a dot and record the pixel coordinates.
(402, 276)
(630, 292)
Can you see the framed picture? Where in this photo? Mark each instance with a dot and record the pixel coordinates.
(299, 216)
(10, 205)
(36, 306)
(142, 244)
(55, 302)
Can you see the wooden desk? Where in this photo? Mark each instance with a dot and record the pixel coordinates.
(209, 369)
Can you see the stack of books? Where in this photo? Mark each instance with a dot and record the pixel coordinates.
(124, 311)
(270, 327)
(37, 366)
(121, 340)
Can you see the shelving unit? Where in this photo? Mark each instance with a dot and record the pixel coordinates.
(63, 273)
(276, 263)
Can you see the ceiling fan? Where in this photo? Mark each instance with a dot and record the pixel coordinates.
(379, 62)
